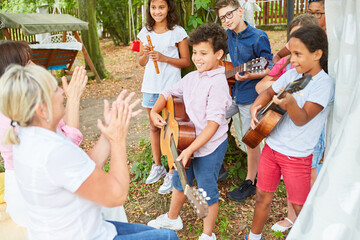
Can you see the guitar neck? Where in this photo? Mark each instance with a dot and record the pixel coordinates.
(281, 94)
(271, 104)
(179, 166)
(230, 73)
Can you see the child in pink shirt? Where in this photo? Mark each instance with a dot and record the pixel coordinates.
(282, 66)
(206, 98)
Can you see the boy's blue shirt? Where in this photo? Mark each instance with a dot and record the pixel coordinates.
(249, 44)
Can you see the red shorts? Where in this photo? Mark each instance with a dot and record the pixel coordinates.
(296, 173)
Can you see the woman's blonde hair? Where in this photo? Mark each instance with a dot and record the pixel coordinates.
(22, 89)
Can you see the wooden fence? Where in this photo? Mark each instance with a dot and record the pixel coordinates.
(73, 12)
(17, 34)
(275, 11)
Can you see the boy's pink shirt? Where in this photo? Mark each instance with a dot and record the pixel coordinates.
(73, 134)
(206, 97)
(277, 67)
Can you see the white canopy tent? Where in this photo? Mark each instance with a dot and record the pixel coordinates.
(332, 209)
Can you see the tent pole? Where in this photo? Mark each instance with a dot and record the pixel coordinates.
(290, 14)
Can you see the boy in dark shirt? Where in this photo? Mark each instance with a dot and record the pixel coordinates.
(245, 43)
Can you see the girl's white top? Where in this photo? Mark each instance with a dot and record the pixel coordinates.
(165, 43)
(299, 141)
(49, 169)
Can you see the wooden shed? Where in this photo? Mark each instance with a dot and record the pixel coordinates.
(60, 55)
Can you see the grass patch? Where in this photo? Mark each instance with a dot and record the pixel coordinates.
(143, 162)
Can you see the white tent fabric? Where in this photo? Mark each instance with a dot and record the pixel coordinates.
(332, 209)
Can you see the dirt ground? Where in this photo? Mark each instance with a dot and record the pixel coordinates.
(125, 73)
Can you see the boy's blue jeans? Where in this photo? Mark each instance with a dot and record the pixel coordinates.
(206, 172)
(133, 231)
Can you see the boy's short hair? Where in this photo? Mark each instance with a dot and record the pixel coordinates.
(224, 3)
(212, 33)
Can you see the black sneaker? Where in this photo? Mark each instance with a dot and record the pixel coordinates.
(223, 174)
(246, 189)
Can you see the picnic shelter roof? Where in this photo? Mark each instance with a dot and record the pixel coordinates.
(36, 23)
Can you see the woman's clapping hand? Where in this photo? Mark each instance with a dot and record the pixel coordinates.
(117, 119)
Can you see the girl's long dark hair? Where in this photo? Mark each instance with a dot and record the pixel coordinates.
(172, 16)
(314, 38)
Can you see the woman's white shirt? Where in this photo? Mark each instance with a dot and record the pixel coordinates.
(49, 169)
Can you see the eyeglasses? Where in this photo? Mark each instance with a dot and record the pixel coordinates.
(227, 15)
(316, 14)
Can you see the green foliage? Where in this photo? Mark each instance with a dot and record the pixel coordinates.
(278, 234)
(237, 171)
(114, 16)
(2, 168)
(194, 21)
(202, 4)
(193, 16)
(281, 190)
(106, 166)
(238, 168)
(29, 6)
(222, 222)
(143, 162)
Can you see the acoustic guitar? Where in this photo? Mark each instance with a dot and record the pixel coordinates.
(271, 114)
(176, 135)
(254, 66)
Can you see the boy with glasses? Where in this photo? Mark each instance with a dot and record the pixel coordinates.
(245, 43)
(317, 9)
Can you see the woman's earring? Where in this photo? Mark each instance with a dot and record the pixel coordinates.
(48, 120)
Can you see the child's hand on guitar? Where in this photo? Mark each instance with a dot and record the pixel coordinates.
(244, 77)
(157, 120)
(285, 101)
(185, 156)
(253, 113)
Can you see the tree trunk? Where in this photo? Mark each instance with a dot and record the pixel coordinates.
(87, 12)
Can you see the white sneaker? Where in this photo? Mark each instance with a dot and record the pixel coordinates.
(207, 237)
(155, 174)
(167, 186)
(163, 221)
(278, 228)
